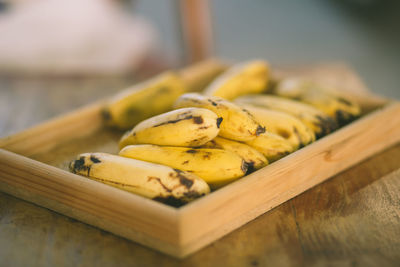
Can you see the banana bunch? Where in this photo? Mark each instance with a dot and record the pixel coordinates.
(143, 101)
(245, 78)
(174, 138)
(253, 158)
(237, 123)
(150, 180)
(284, 125)
(215, 166)
(319, 122)
(331, 102)
(179, 145)
(188, 127)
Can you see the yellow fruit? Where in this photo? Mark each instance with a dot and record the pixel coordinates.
(150, 180)
(319, 122)
(142, 101)
(215, 166)
(272, 146)
(254, 159)
(333, 103)
(245, 78)
(181, 127)
(237, 123)
(285, 125)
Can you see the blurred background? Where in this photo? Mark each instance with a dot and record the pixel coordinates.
(363, 33)
(68, 53)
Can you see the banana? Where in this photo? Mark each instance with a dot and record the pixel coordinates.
(150, 180)
(254, 159)
(181, 127)
(272, 146)
(237, 123)
(143, 101)
(215, 166)
(285, 125)
(199, 75)
(245, 78)
(333, 103)
(319, 122)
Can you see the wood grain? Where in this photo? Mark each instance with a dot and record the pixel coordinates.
(350, 220)
(290, 234)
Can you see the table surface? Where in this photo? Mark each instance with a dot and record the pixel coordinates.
(353, 219)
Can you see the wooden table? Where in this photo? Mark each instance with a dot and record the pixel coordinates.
(353, 219)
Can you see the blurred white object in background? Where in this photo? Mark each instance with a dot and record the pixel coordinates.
(72, 37)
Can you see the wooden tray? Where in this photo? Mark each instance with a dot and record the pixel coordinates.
(33, 166)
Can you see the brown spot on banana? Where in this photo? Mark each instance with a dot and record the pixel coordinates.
(94, 159)
(344, 101)
(197, 140)
(150, 178)
(183, 179)
(192, 194)
(326, 124)
(198, 119)
(191, 151)
(248, 113)
(260, 129)
(207, 155)
(212, 102)
(219, 120)
(204, 127)
(244, 166)
(78, 165)
(250, 167)
(178, 120)
(343, 117)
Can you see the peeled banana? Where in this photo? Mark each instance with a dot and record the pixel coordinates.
(319, 122)
(254, 159)
(237, 123)
(272, 146)
(245, 78)
(143, 101)
(215, 166)
(182, 127)
(143, 178)
(336, 105)
(285, 125)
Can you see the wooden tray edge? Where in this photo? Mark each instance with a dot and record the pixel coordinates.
(194, 215)
(134, 217)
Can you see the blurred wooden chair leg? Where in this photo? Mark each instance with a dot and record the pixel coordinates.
(196, 27)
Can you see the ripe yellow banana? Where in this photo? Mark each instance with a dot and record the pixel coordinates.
(237, 124)
(285, 125)
(215, 166)
(245, 78)
(272, 146)
(254, 159)
(181, 127)
(315, 119)
(336, 105)
(143, 101)
(150, 180)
